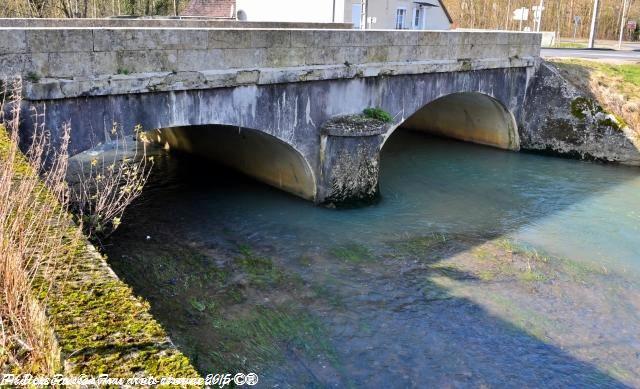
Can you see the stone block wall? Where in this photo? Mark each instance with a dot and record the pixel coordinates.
(51, 56)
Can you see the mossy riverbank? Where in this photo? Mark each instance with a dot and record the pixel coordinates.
(614, 85)
(100, 326)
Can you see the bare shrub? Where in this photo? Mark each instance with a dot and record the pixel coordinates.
(101, 191)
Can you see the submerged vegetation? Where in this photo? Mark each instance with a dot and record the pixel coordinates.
(231, 309)
(266, 335)
(352, 252)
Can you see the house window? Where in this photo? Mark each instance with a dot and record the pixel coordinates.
(401, 15)
(356, 15)
(417, 19)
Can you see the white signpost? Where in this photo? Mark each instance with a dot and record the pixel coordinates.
(537, 15)
(622, 22)
(521, 14)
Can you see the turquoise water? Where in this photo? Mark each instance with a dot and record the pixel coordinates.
(400, 293)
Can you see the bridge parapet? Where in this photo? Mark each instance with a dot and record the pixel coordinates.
(72, 62)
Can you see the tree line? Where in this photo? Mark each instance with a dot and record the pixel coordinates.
(558, 15)
(88, 8)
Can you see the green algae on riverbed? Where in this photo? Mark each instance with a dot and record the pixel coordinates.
(352, 252)
(206, 297)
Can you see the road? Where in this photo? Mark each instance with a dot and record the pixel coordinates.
(600, 54)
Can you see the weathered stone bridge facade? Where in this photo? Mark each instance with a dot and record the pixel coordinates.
(264, 100)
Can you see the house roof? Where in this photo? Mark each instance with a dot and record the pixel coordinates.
(425, 3)
(431, 4)
(211, 8)
(446, 11)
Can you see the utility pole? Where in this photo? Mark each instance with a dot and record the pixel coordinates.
(508, 18)
(333, 13)
(538, 15)
(363, 14)
(622, 22)
(594, 23)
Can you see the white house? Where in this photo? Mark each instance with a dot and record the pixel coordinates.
(309, 11)
(381, 14)
(320, 11)
(402, 14)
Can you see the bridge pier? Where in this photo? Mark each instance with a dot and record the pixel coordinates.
(350, 160)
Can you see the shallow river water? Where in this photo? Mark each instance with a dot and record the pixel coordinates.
(478, 267)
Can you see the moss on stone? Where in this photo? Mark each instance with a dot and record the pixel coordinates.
(465, 65)
(378, 114)
(100, 326)
(583, 106)
(612, 121)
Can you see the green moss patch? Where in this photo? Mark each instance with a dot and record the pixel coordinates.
(352, 252)
(378, 114)
(583, 106)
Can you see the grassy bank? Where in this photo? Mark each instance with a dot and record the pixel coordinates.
(616, 86)
(80, 318)
(571, 45)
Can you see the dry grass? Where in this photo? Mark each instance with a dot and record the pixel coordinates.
(616, 86)
(33, 241)
(37, 238)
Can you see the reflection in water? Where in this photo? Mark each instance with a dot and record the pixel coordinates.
(478, 267)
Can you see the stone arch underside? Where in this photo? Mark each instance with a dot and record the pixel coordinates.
(468, 116)
(252, 152)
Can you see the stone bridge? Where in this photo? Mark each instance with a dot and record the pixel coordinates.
(270, 102)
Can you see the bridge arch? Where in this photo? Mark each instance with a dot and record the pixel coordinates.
(468, 116)
(251, 152)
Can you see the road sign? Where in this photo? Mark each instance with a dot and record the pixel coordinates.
(521, 14)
